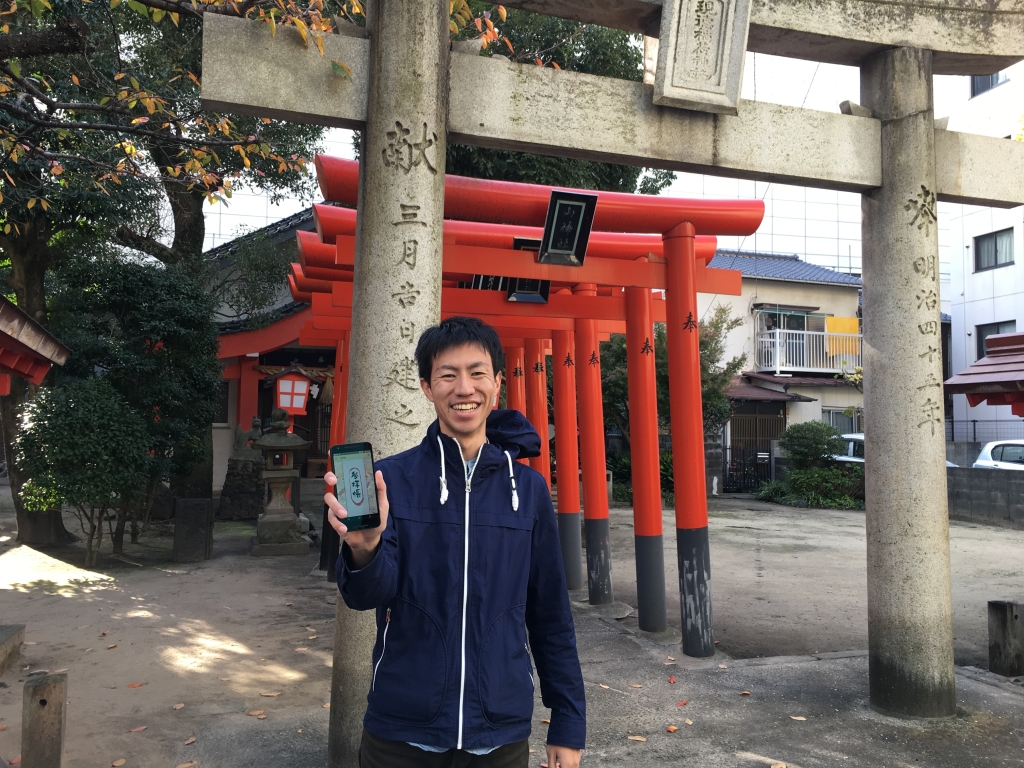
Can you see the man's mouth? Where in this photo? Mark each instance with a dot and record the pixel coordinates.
(465, 407)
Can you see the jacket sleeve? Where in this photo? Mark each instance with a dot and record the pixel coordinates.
(552, 634)
(376, 583)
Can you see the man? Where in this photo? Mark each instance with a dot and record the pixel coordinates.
(465, 574)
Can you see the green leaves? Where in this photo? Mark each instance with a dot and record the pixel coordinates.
(341, 70)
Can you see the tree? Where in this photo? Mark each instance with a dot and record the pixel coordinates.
(147, 330)
(812, 444)
(84, 446)
(715, 375)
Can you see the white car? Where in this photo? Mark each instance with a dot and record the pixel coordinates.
(855, 450)
(1001, 454)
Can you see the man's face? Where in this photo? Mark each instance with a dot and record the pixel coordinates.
(462, 387)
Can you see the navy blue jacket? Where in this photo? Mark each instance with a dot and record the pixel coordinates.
(461, 606)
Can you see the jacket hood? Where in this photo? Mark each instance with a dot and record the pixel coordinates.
(513, 432)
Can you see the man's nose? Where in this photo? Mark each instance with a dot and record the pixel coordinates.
(464, 385)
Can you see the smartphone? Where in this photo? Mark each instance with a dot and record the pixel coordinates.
(356, 489)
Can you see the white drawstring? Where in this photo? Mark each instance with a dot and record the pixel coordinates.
(512, 477)
(444, 480)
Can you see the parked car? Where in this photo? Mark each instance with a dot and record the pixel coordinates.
(855, 450)
(1001, 454)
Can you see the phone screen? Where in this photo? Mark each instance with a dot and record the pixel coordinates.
(356, 490)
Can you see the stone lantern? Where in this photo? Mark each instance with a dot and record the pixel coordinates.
(278, 528)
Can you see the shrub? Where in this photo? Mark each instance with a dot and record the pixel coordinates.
(774, 490)
(621, 466)
(835, 487)
(812, 444)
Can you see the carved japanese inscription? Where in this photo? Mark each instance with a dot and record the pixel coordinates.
(700, 56)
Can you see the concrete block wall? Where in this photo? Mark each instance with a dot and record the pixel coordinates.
(986, 496)
(963, 454)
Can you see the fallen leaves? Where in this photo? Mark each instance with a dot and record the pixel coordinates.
(671, 658)
(327, 705)
(111, 687)
(300, 650)
(190, 740)
(672, 729)
(178, 706)
(688, 721)
(16, 761)
(546, 721)
(778, 765)
(112, 647)
(797, 717)
(225, 679)
(61, 671)
(3, 728)
(135, 685)
(744, 693)
(672, 681)
(287, 605)
(635, 685)
(189, 764)
(271, 695)
(256, 713)
(637, 738)
(138, 729)
(118, 763)
(606, 687)
(682, 703)
(722, 666)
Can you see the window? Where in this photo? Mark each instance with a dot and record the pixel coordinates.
(993, 250)
(982, 83)
(845, 422)
(1011, 453)
(990, 329)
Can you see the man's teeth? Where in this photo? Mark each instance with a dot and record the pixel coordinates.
(464, 407)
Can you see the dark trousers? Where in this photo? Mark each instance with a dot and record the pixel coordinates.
(375, 752)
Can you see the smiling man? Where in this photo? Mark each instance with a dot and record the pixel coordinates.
(465, 574)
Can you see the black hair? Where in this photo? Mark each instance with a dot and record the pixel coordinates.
(455, 332)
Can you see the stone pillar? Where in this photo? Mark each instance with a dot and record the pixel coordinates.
(537, 403)
(910, 634)
(43, 721)
(592, 458)
(693, 549)
(643, 450)
(397, 284)
(567, 457)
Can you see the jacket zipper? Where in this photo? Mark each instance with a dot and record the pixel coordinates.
(384, 647)
(465, 586)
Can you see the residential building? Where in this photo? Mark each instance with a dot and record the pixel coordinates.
(985, 249)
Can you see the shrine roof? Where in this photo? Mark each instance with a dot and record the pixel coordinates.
(1000, 371)
(278, 232)
(780, 266)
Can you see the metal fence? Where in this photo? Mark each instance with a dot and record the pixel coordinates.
(808, 351)
(984, 430)
(744, 469)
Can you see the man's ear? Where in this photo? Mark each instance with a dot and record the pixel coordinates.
(497, 391)
(425, 386)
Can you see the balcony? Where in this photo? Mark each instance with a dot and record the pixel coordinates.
(807, 351)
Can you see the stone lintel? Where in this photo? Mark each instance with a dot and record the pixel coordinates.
(249, 72)
(595, 118)
(969, 38)
(979, 170)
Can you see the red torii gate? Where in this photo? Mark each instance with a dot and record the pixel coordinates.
(611, 292)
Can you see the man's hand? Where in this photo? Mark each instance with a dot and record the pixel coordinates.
(563, 757)
(362, 543)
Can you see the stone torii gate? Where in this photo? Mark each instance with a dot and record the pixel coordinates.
(409, 95)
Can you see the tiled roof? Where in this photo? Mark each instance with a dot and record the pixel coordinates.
(779, 266)
(278, 232)
(786, 382)
(741, 389)
(272, 316)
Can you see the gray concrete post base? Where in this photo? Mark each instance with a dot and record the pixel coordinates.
(43, 721)
(599, 561)
(570, 537)
(694, 554)
(650, 583)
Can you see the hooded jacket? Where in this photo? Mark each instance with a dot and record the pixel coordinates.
(467, 581)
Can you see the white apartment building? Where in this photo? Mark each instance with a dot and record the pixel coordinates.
(985, 252)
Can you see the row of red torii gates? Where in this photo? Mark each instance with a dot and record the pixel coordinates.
(639, 245)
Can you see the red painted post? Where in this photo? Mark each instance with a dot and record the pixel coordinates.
(643, 448)
(340, 404)
(248, 391)
(537, 403)
(688, 441)
(567, 456)
(515, 394)
(595, 488)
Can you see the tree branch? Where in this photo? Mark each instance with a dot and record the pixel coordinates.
(146, 244)
(228, 9)
(70, 35)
